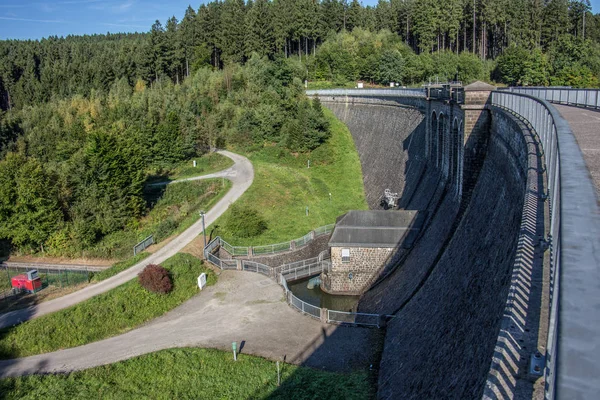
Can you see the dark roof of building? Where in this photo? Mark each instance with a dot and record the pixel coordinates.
(373, 228)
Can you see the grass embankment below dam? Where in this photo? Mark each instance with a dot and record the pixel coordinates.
(192, 374)
(284, 187)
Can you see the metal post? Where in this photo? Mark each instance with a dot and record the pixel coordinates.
(203, 213)
(278, 375)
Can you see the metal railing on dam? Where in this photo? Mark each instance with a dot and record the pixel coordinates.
(368, 92)
(573, 241)
(588, 98)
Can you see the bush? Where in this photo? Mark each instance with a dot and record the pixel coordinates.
(245, 222)
(155, 278)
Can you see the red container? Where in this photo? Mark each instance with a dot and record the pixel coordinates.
(22, 282)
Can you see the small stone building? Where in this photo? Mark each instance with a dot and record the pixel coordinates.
(361, 245)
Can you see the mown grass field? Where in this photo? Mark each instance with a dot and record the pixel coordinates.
(191, 374)
(114, 312)
(284, 186)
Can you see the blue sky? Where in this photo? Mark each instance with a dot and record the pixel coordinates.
(34, 19)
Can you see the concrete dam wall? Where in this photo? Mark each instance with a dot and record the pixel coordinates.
(447, 294)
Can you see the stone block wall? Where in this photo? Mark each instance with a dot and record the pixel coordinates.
(476, 134)
(390, 138)
(442, 339)
(364, 264)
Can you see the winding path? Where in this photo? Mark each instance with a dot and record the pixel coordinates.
(241, 174)
(244, 307)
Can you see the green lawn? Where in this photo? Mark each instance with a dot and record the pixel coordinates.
(114, 312)
(191, 374)
(283, 187)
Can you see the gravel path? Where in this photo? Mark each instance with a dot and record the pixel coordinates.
(244, 307)
(241, 174)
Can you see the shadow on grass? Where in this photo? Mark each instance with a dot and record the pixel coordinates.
(349, 357)
(8, 321)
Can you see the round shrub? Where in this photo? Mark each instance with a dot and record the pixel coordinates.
(245, 222)
(155, 279)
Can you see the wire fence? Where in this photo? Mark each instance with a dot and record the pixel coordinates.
(272, 248)
(234, 250)
(290, 272)
(51, 280)
(257, 267)
(350, 318)
(303, 306)
(277, 247)
(304, 240)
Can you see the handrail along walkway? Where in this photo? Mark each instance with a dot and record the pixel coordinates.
(574, 240)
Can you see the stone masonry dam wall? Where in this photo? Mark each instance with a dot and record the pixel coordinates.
(447, 295)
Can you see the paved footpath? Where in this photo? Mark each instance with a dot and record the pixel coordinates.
(244, 307)
(241, 174)
(585, 124)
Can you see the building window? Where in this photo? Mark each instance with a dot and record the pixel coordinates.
(345, 255)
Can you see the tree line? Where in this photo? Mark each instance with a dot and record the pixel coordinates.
(224, 32)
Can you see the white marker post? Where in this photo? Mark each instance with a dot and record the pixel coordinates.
(234, 348)
(202, 281)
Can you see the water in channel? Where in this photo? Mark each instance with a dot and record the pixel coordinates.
(318, 298)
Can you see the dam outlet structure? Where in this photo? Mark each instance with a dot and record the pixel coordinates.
(467, 299)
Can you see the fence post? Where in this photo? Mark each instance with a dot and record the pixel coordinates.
(239, 265)
(324, 313)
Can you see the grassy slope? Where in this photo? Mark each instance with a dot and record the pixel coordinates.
(283, 187)
(114, 312)
(175, 211)
(207, 164)
(118, 267)
(191, 373)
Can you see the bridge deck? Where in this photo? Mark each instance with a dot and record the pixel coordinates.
(585, 124)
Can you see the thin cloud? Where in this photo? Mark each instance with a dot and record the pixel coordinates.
(79, 2)
(125, 6)
(126, 25)
(55, 21)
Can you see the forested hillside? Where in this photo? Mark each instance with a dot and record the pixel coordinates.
(539, 42)
(85, 120)
(73, 170)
